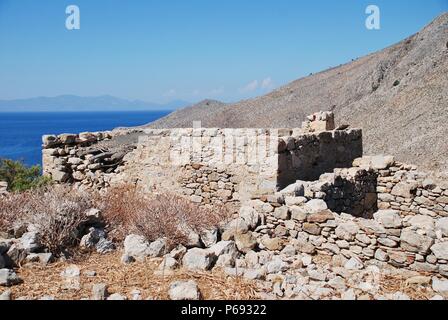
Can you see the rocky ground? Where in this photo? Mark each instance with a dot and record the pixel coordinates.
(139, 269)
(106, 277)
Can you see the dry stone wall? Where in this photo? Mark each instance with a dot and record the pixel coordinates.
(403, 233)
(211, 166)
(78, 158)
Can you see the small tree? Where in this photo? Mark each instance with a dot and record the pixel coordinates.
(20, 177)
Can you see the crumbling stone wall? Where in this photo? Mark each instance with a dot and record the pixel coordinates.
(299, 216)
(209, 165)
(307, 156)
(78, 158)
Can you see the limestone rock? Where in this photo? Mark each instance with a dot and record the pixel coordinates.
(298, 213)
(30, 241)
(388, 218)
(347, 230)
(282, 213)
(272, 244)
(316, 205)
(5, 296)
(99, 291)
(184, 290)
(137, 247)
(440, 250)
(71, 277)
(422, 222)
(8, 278)
(157, 248)
(320, 217)
(209, 237)
(245, 242)
(276, 266)
(116, 296)
(442, 225)
(199, 259)
(168, 264)
(354, 264)
(415, 242)
(312, 228)
(224, 247)
(440, 286)
(404, 189)
(250, 216)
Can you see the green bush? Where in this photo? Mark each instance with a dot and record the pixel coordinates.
(20, 177)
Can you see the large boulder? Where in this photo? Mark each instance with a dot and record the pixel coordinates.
(184, 290)
(197, 259)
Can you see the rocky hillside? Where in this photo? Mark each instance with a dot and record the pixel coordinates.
(398, 96)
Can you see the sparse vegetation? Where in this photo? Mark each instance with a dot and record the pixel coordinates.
(127, 209)
(20, 177)
(55, 212)
(396, 83)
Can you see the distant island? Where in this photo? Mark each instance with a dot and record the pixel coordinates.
(66, 103)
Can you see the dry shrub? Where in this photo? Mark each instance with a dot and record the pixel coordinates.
(11, 209)
(55, 212)
(163, 215)
(120, 205)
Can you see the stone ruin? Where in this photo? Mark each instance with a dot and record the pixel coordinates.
(206, 164)
(312, 189)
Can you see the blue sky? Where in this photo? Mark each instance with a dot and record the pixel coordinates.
(161, 50)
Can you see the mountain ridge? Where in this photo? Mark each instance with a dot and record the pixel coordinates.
(398, 95)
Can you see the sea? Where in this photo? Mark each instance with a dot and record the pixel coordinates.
(21, 133)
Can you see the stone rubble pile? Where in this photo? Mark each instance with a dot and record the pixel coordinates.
(75, 158)
(22, 246)
(319, 121)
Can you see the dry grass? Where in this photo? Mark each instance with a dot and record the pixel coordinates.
(395, 283)
(120, 278)
(128, 210)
